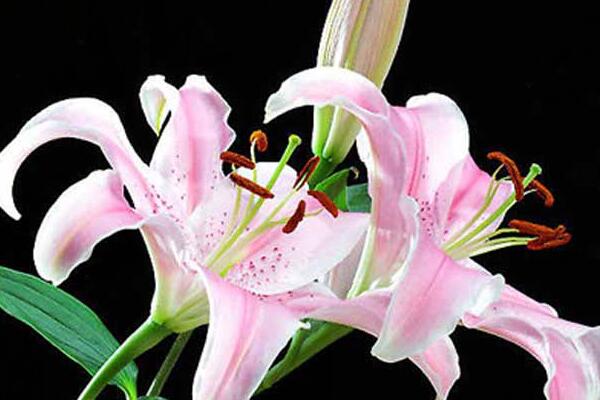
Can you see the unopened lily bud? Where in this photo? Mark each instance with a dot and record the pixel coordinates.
(363, 36)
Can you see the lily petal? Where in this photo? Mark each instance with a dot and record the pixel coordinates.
(85, 119)
(245, 335)
(438, 142)
(89, 211)
(391, 216)
(569, 352)
(440, 364)
(466, 196)
(158, 98)
(430, 299)
(187, 154)
(179, 302)
(276, 262)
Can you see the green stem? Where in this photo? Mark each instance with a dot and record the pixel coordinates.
(304, 346)
(148, 335)
(168, 364)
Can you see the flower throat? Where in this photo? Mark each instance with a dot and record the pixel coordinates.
(472, 239)
(238, 233)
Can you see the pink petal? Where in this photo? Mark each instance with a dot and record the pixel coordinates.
(187, 154)
(211, 221)
(440, 364)
(89, 211)
(442, 176)
(180, 301)
(438, 141)
(466, 195)
(245, 335)
(85, 119)
(282, 187)
(340, 279)
(569, 352)
(276, 262)
(158, 98)
(392, 217)
(429, 300)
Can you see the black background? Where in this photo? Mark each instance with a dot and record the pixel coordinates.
(526, 76)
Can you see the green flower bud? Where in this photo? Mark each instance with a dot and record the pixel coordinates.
(361, 35)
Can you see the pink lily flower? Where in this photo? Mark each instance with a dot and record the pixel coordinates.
(218, 250)
(425, 156)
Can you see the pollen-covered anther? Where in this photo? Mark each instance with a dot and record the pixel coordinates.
(325, 201)
(305, 173)
(547, 237)
(531, 228)
(259, 138)
(542, 191)
(292, 223)
(513, 172)
(251, 186)
(547, 243)
(237, 159)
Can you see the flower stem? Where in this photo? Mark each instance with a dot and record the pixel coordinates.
(304, 346)
(148, 335)
(168, 364)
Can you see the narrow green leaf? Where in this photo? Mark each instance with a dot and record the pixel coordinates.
(357, 198)
(335, 187)
(64, 321)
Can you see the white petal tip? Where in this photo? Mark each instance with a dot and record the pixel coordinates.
(275, 107)
(155, 78)
(11, 211)
(197, 81)
(380, 353)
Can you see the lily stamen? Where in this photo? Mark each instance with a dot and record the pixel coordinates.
(251, 186)
(546, 237)
(513, 171)
(471, 239)
(296, 218)
(237, 159)
(259, 138)
(545, 244)
(531, 228)
(325, 201)
(543, 192)
(305, 173)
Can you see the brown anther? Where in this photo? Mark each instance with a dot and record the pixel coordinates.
(542, 191)
(237, 159)
(547, 238)
(251, 186)
(260, 139)
(306, 172)
(531, 228)
(325, 201)
(545, 244)
(513, 172)
(292, 223)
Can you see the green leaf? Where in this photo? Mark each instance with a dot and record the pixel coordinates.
(357, 198)
(335, 187)
(64, 321)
